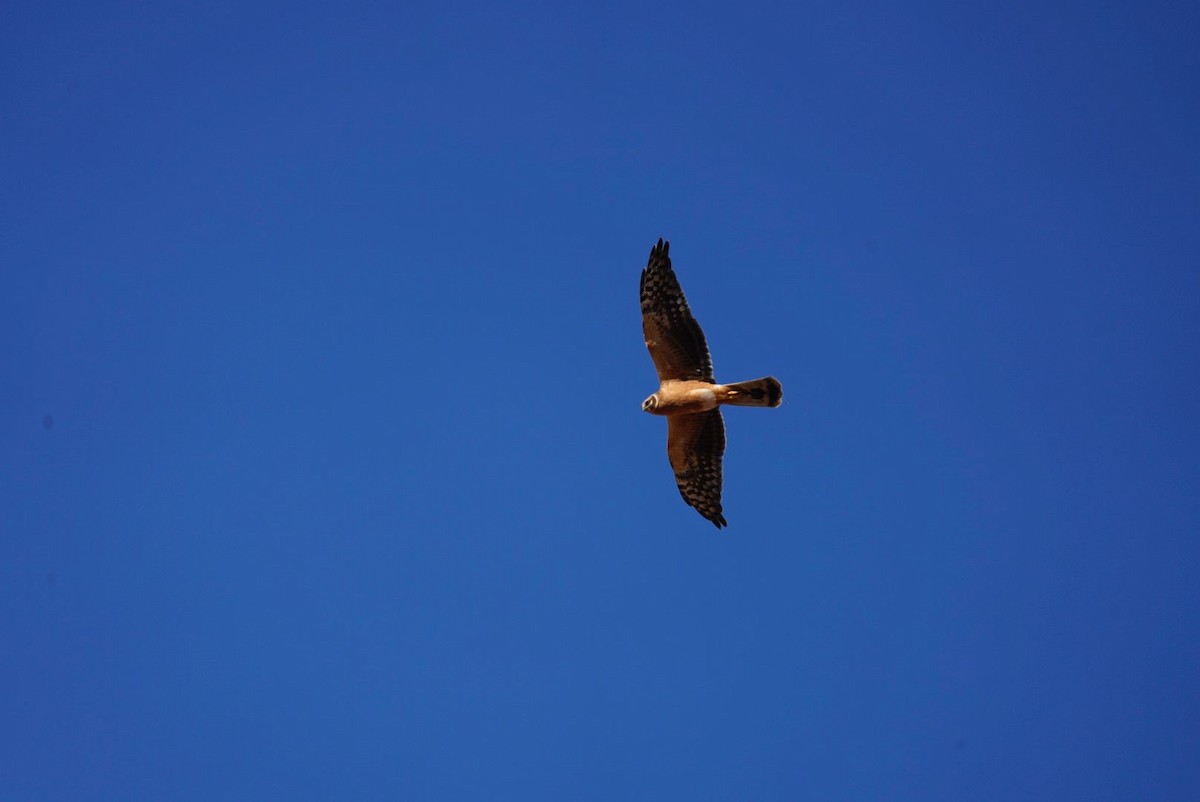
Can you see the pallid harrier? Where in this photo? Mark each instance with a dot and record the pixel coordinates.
(687, 393)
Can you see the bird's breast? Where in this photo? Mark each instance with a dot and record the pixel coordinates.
(679, 397)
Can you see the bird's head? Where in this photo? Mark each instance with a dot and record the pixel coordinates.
(650, 403)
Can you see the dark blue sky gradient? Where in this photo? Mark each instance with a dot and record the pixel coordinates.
(324, 474)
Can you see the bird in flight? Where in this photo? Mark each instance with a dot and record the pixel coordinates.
(687, 394)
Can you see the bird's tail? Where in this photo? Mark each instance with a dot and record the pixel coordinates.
(757, 393)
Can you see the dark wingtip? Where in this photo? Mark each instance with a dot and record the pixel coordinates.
(719, 521)
(660, 250)
(774, 392)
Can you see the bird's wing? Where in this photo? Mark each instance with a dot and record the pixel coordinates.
(675, 340)
(695, 446)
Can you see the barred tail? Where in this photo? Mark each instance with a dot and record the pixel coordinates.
(757, 393)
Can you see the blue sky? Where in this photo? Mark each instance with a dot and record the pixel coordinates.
(324, 473)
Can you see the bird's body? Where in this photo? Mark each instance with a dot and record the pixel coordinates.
(684, 397)
(688, 395)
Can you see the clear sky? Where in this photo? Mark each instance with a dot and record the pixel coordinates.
(323, 469)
